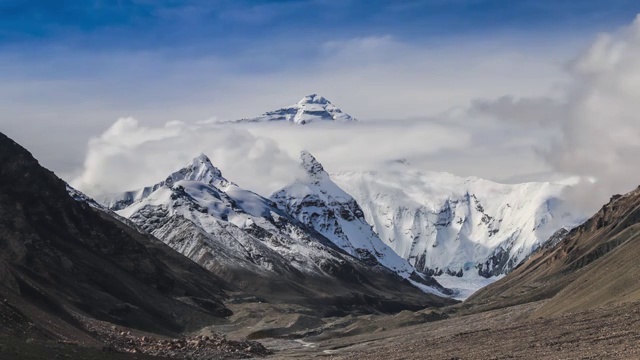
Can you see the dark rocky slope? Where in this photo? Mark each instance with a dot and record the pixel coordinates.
(62, 261)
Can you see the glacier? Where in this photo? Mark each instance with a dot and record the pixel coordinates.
(446, 224)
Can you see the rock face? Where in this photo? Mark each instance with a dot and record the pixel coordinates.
(442, 223)
(249, 241)
(62, 260)
(311, 108)
(319, 203)
(594, 264)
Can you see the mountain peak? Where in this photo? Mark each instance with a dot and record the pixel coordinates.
(200, 169)
(314, 99)
(319, 203)
(311, 108)
(310, 164)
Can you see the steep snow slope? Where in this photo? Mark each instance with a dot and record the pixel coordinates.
(311, 108)
(319, 203)
(447, 224)
(247, 239)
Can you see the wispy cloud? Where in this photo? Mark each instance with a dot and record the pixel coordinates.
(539, 111)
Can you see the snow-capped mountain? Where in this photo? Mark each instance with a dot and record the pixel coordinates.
(319, 203)
(444, 224)
(200, 213)
(200, 169)
(311, 108)
(245, 237)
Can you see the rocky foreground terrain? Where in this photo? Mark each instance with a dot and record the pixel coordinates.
(511, 333)
(601, 333)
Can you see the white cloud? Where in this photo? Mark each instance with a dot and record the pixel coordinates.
(585, 123)
(374, 77)
(129, 156)
(594, 124)
(381, 77)
(260, 157)
(600, 136)
(370, 78)
(364, 145)
(528, 111)
(263, 157)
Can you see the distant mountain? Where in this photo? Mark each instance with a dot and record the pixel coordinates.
(593, 265)
(250, 242)
(444, 224)
(65, 264)
(312, 108)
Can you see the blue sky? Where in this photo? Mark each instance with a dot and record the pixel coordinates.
(71, 68)
(264, 36)
(234, 25)
(42, 39)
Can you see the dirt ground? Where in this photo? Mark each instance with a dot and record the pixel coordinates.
(603, 333)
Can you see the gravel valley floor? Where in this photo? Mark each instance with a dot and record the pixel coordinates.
(603, 333)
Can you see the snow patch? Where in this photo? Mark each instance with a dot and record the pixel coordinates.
(467, 285)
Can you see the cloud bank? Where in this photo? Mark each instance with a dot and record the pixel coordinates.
(595, 121)
(585, 124)
(262, 157)
(128, 156)
(59, 98)
(600, 135)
